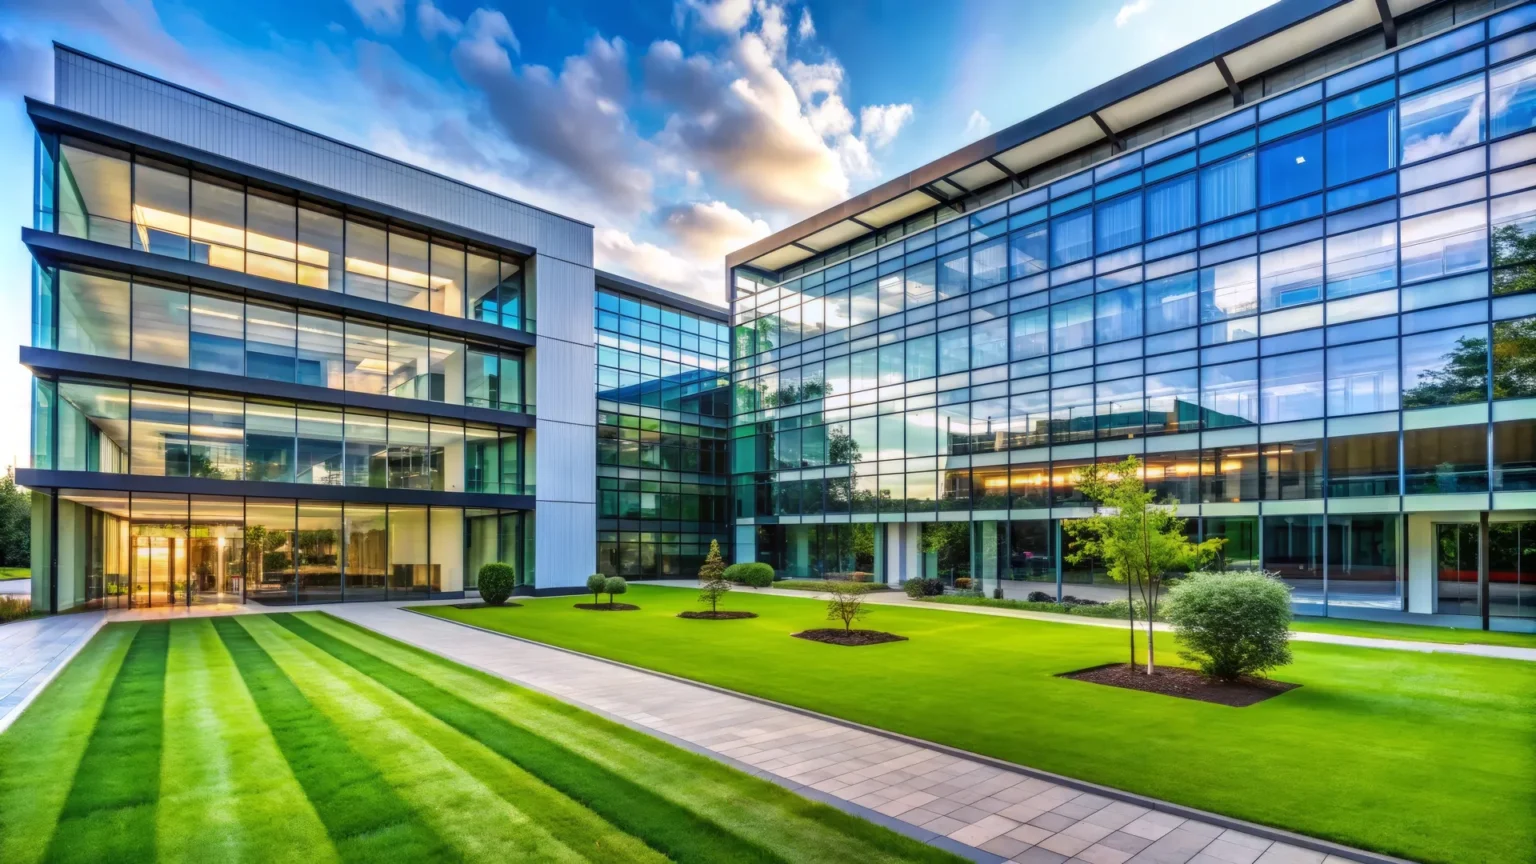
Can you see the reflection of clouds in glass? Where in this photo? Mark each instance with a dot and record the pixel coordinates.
(1426, 118)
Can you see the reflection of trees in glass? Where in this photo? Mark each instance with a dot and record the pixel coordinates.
(1463, 378)
(1514, 358)
(1511, 245)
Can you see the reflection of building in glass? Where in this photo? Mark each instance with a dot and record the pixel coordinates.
(663, 408)
(1291, 273)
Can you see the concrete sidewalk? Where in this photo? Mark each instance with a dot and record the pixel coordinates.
(32, 653)
(898, 598)
(985, 809)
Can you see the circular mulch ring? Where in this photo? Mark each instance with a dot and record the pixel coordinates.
(608, 607)
(849, 637)
(1184, 684)
(717, 616)
(484, 606)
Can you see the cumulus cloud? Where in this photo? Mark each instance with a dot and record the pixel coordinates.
(618, 251)
(878, 124)
(722, 16)
(131, 27)
(380, 16)
(575, 121)
(807, 28)
(1131, 10)
(710, 229)
(434, 22)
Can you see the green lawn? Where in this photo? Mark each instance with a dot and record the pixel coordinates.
(9, 573)
(1425, 756)
(1412, 632)
(300, 738)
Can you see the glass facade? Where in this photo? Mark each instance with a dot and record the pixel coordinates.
(663, 412)
(1320, 295)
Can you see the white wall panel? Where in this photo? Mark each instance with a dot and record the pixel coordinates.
(108, 92)
(566, 538)
(564, 386)
(567, 462)
(565, 299)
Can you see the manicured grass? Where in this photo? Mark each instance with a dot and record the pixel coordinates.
(1412, 632)
(1425, 756)
(1098, 611)
(299, 738)
(9, 573)
(818, 585)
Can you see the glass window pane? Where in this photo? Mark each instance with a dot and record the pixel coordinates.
(270, 573)
(160, 320)
(1118, 314)
(410, 465)
(1362, 261)
(1118, 223)
(218, 335)
(1445, 460)
(367, 254)
(159, 433)
(93, 314)
(1027, 252)
(94, 193)
(270, 436)
(320, 448)
(1290, 168)
(954, 351)
(1292, 387)
(216, 439)
(409, 358)
(1362, 379)
(1030, 334)
(367, 449)
(270, 342)
(1361, 147)
(367, 358)
(1441, 120)
(483, 275)
(93, 428)
(320, 249)
(1443, 243)
(1227, 188)
(989, 343)
(1229, 290)
(1512, 91)
(1171, 206)
(321, 361)
(1072, 238)
(1071, 325)
(271, 237)
(1514, 359)
(989, 263)
(447, 282)
(1290, 277)
(1447, 367)
(218, 224)
(1229, 394)
(365, 532)
(1173, 302)
(162, 204)
(408, 280)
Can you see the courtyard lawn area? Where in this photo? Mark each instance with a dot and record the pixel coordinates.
(301, 738)
(1425, 756)
(9, 573)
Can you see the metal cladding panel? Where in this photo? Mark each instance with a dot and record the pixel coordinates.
(563, 382)
(565, 300)
(566, 462)
(565, 537)
(116, 95)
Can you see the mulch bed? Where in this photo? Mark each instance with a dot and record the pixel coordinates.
(1184, 683)
(485, 606)
(608, 607)
(721, 615)
(849, 637)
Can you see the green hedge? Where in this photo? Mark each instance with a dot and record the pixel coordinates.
(496, 582)
(752, 574)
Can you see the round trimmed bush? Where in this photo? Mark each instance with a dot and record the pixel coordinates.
(614, 585)
(1232, 624)
(596, 583)
(920, 587)
(496, 582)
(753, 574)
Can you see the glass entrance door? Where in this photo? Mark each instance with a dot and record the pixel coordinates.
(213, 564)
(159, 571)
(1456, 569)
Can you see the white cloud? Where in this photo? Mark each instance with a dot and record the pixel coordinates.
(807, 29)
(616, 250)
(380, 16)
(977, 125)
(879, 124)
(722, 16)
(774, 31)
(813, 79)
(434, 22)
(1131, 10)
(710, 229)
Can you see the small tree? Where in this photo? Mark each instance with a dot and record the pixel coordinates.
(1232, 624)
(614, 585)
(596, 583)
(712, 582)
(1137, 540)
(496, 580)
(846, 603)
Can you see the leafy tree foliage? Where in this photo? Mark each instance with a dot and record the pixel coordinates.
(712, 581)
(15, 524)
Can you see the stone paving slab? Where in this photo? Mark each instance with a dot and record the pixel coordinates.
(33, 651)
(986, 811)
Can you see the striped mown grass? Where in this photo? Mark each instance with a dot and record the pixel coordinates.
(298, 737)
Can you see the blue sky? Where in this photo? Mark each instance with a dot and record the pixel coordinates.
(681, 129)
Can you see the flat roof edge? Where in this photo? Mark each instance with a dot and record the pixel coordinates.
(661, 295)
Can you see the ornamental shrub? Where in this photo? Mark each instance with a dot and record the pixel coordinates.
(1232, 624)
(753, 574)
(496, 582)
(614, 585)
(596, 583)
(920, 587)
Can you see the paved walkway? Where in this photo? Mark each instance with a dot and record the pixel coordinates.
(32, 652)
(995, 812)
(898, 598)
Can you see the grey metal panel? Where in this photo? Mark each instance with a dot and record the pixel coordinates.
(563, 382)
(564, 300)
(566, 540)
(566, 461)
(108, 92)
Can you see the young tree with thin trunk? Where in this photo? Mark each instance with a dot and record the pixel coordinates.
(712, 581)
(1138, 539)
(846, 602)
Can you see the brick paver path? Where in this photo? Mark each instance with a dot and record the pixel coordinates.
(1007, 815)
